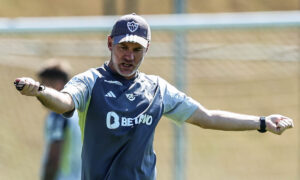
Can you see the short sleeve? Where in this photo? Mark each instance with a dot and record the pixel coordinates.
(177, 105)
(80, 88)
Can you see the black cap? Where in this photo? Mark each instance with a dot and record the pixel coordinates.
(131, 28)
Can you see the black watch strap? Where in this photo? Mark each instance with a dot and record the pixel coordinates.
(262, 121)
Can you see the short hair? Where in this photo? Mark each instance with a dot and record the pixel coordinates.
(55, 70)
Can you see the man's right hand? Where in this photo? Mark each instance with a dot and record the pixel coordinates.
(27, 86)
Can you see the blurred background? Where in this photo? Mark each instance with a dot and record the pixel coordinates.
(252, 70)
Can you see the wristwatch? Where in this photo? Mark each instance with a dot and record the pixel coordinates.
(262, 121)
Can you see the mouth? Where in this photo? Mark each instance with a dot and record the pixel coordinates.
(126, 65)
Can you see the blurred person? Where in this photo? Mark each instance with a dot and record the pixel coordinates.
(62, 154)
(119, 108)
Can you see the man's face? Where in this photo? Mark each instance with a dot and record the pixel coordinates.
(126, 57)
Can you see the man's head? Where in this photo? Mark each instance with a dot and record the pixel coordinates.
(54, 74)
(128, 42)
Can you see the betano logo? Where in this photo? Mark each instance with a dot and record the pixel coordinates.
(113, 120)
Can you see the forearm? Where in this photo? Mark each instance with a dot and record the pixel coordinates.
(223, 120)
(56, 101)
(228, 121)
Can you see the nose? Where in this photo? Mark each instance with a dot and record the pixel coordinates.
(129, 55)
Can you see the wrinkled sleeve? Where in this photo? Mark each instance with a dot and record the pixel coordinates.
(80, 88)
(177, 105)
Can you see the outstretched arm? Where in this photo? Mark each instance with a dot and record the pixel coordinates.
(54, 100)
(228, 121)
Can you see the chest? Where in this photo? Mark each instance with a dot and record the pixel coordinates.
(126, 98)
(118, 106)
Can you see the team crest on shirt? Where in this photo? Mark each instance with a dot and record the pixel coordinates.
(130, 97)
(132, 26)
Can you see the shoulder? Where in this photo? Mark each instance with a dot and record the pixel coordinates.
(152, 78)
(85, 79)
(157, 81)
(91, 74)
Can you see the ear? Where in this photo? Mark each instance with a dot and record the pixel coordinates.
(109, 43)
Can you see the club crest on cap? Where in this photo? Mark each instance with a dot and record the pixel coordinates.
(132, 26)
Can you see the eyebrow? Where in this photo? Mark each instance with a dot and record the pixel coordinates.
(126, 44)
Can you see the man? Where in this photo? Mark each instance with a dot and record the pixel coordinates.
(119, 108)
(62, 154)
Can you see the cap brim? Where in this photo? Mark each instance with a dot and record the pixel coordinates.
(131, 38)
